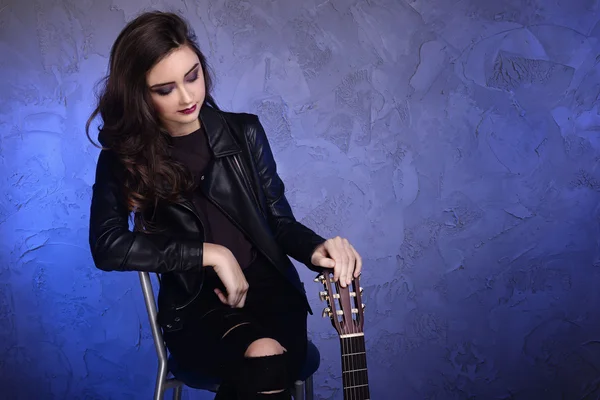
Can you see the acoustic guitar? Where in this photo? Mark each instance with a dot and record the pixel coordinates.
(346, 311)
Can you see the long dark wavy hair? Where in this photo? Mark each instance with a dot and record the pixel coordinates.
(130, 126)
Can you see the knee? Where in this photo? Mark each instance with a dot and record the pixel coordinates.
(264, 347)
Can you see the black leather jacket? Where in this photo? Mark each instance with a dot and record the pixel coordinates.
(242, 180)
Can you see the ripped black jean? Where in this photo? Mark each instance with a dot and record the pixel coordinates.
(273, 310)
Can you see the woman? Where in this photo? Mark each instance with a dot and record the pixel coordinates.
(210, 214)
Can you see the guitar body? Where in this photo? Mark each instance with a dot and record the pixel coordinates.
(345, 308)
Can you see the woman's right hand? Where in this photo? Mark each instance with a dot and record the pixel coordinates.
(229, 272)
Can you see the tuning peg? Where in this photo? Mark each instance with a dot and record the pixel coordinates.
(320, 278)
(360, 289)
(327, 312)
(363, 306)
(323, 295)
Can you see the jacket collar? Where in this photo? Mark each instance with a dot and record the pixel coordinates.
(220, 138)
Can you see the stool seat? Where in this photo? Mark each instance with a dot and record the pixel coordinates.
(196, 380)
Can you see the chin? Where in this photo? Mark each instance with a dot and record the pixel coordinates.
(188, 118)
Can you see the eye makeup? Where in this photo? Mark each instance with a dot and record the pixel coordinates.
(164, 89)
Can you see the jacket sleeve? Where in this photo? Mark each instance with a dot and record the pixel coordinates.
(115, 248)
(297, 240)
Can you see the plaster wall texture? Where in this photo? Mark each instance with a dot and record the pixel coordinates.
(455, 143)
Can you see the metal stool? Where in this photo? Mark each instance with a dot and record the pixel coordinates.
(169, 376)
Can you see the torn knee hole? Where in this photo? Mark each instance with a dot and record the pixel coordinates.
(264, 347)
(232, 328)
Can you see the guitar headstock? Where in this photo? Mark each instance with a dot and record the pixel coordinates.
(344, 304)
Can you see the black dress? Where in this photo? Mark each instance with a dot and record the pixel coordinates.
(273, 308)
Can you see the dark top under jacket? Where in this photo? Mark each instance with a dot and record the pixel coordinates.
(193, 151)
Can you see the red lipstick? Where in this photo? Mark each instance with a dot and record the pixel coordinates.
(189, 110)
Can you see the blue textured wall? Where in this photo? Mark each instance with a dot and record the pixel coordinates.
(455, 143)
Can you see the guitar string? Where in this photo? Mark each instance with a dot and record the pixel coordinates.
(363, 366)
(345, 353)
(345, 376)
(353, 367)
(351, 371)
(350, 357)
(348, 369)
(356, 348)
(347, 348)
(353, 351)
(348, 363)
(358, 374)
(359, 390)
(355, 389)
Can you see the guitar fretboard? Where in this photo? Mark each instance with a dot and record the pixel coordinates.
(354, 367)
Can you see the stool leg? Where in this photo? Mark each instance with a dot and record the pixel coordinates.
(177, 393)
(159, 389)
(309, 388)
(298, 390)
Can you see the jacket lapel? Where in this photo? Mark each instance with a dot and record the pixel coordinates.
(222, 177)
(220, 138)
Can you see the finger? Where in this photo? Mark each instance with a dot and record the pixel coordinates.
(234, 300)
(318, 254)
(359, 263)
(333, 251)
(237, 299)
(321, 260)
(351, 262)
(350, 270)
(326, 262)
(241, 298)
(345, 261)
(245, 294)
(221, 296)
(242, 301)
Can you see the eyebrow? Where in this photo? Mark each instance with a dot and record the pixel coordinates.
(170, 83)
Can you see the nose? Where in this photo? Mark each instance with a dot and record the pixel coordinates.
(185, 96)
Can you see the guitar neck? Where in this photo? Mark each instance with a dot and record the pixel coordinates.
(354, 367)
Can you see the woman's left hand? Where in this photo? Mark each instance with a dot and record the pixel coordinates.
(339, 254)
